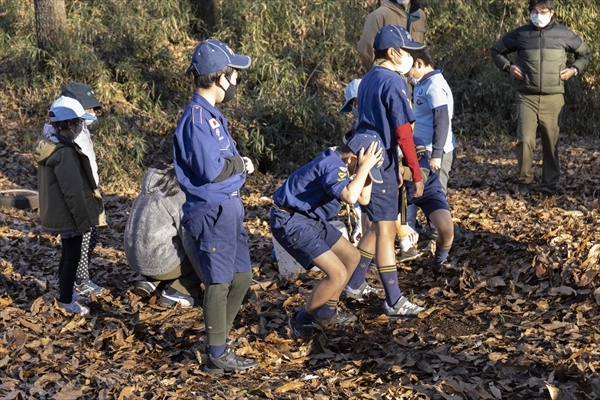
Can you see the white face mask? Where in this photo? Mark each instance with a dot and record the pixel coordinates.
(403, 2)
(540, 20)
(88, 122)
(405, 65)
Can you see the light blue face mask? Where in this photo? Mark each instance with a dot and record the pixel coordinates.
(88, 122)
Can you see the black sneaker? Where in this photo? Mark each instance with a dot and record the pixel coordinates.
(411, 254)
(299, 329)
(144, 289)
(443, 268)
(228, 362)
(548, 190)
(523, 189)
(339, 318)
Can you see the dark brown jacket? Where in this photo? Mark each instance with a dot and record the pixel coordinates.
(69, 198)
(390, 13)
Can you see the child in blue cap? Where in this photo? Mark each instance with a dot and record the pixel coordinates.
(211, 173)
(304, 203)
(384, 110)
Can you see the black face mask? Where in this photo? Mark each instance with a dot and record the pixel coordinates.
(230, 92)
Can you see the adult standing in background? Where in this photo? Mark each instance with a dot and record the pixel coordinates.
(405, 13)
(541, 69)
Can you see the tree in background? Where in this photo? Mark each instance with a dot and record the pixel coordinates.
(206, 11)
(50, 21)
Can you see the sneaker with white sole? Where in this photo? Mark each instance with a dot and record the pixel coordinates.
(228, 362)
(339, 318)
(86, 287)
(144, 289)
(365, 291)
(73, 307)
(170, 297)
(80, 299)
(409, 255)
(402, 308)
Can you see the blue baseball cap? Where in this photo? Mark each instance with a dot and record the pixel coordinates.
(65, 108)
(213, 55)
(351, 92)
(363, 141)
(394, 36)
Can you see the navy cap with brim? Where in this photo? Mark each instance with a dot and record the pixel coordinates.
(363, 141)
(83, 93)
(396, 37)
(213, 55)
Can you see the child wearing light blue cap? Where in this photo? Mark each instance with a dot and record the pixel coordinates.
(70, 202)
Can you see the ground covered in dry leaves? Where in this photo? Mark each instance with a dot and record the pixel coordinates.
(517, 320)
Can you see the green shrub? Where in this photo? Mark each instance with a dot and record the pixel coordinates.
(134, 54)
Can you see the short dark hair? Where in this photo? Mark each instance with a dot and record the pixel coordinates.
(344, 149)
(380, 54)
(168, 183)
(549, 4)
(207, 80)
(65, 124)
(423, 55)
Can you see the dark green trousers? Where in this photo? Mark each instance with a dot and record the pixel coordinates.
(539, 112)
(184, 279)
(222, 302)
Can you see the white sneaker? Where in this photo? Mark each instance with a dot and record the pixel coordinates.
(73, 307)
(402, 308)
(363, 292)
(86, 287)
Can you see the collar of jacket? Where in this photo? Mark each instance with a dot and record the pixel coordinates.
(382, 62)
(550, 25)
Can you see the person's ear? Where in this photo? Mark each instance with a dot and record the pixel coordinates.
(390, 53)
(222, 81)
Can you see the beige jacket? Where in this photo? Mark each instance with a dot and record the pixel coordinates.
(69, 198)
(390, 13)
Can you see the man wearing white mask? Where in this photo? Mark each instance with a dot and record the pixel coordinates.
(405, 13)
(540, 71)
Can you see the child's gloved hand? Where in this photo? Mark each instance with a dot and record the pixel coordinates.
(248, 164)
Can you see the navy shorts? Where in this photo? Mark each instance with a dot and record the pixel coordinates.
(384, 196)
(303, 237)
(431, 201)
(222, 246)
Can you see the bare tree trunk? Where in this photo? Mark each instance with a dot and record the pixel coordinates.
(208, 12)
(50, 21)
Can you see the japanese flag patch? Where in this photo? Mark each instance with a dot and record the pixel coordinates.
(213, 123)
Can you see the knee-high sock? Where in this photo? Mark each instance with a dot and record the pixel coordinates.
(389, 279)
(441, 254)
(360, 272)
